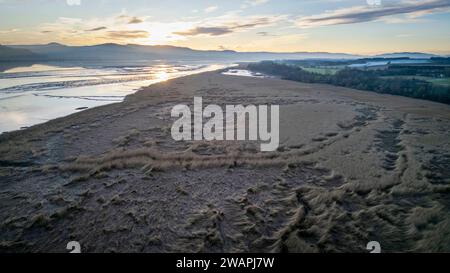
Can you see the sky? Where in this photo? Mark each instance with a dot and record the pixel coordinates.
(347, 26)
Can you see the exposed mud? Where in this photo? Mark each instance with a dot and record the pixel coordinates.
(351, 168)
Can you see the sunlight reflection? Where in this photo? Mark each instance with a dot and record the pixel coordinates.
(162, 76)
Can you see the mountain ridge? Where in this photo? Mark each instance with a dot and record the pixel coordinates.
(7, 53)
(112, 51)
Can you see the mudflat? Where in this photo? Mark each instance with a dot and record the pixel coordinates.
(352, 167)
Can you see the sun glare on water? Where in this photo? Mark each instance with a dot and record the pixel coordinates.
(162, 76)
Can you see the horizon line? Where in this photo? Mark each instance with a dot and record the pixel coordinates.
(231, 50)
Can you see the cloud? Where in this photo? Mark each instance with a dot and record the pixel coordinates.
(73, 2)
(226, 27)
(253, 3)
(9, 31)
(135, 20)
(264, 34)
(116, 28)
(373, 2)
(97, 29)
(131, 19)
(211, 9)
(69, 21)
(128, 34)
(367, 13)
(212, 31)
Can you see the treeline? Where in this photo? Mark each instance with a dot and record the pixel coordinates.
(432, 70)
(369, 80)
(441, 60)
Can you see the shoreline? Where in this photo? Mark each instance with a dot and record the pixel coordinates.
(76, 102)
(143, 88)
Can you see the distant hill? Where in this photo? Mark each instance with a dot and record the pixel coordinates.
(59, 52)
(411, 55)
(133, 52)
(16, 54)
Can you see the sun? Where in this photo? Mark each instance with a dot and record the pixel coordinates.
(162, 33)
